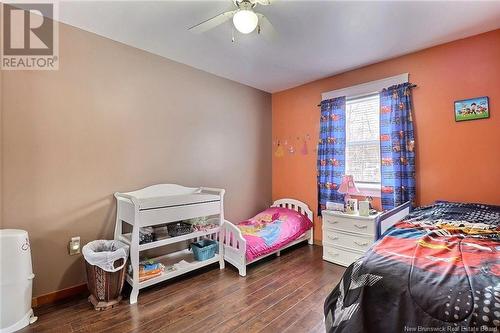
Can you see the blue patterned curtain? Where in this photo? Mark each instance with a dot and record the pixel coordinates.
(397, 146)
(331, 151)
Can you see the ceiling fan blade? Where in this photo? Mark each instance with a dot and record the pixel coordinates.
(212, 22)
(266, 28)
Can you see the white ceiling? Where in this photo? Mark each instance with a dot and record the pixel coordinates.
(315, 39)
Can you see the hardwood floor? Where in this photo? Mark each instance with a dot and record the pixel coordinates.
(279, 294)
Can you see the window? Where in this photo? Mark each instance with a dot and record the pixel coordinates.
(363, 140)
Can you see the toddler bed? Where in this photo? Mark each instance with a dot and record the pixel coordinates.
(286, 223)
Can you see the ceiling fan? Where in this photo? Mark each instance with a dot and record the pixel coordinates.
(245, 19)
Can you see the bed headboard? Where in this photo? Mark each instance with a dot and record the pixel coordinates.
(296, 205)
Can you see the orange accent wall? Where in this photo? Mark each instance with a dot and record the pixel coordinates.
(454, 161)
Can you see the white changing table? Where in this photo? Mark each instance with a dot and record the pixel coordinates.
(160, 204)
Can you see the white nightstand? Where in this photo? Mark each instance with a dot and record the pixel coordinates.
(346, 237)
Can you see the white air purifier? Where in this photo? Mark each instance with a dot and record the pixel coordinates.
(16, 278)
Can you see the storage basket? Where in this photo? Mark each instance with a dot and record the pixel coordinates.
(105, 287)
(160, 232)
(146, 235)
(179, 229)
(204, 249)
(105, 263)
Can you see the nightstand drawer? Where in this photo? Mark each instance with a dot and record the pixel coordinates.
(363, 226)
(340, 256)
(351, 241)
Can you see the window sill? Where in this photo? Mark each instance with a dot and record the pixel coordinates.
(369, 190)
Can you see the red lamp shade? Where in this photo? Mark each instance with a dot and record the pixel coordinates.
(348, 186)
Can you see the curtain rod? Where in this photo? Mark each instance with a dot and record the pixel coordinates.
(411, 86)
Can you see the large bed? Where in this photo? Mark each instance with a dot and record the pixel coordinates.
(437, 269)
(286, 223)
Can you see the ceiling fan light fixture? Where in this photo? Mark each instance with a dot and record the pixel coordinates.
(245, 21)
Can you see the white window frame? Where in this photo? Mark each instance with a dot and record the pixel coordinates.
(366, 186)
(362, 90)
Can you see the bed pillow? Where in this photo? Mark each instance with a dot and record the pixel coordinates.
(457, 211)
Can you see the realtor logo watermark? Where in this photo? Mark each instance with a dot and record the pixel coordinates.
(29, 36)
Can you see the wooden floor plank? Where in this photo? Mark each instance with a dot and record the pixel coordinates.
(260, 321)
(281, 322)
(236, 309)
(277, 295)
(307, 322)
(157, 321)
(288, 286)
(72, 314)
(206, 317)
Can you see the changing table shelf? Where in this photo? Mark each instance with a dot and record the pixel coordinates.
(162, 204)
(126, 238)
(169, 260)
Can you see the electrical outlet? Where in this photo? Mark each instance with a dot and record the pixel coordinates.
(74, 246)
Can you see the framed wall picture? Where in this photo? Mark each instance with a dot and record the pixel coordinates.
(473, 108)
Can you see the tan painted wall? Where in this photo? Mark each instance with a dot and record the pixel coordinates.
(1, 149)
(115, 118)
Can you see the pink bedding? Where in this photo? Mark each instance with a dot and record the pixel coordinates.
(272, 229)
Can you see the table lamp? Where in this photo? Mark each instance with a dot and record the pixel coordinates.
(348, 187)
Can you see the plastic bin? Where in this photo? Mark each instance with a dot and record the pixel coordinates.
(16, 278)
(105, 263)
(179, 229)
(204, 249)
